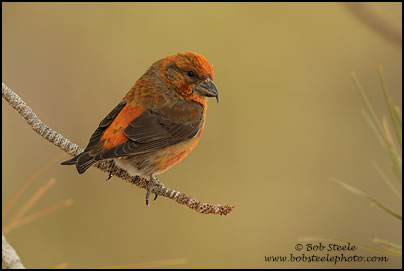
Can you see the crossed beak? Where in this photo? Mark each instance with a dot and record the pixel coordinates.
(207, 88)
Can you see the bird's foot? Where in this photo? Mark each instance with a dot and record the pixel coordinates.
(150, 184)
(109, 176)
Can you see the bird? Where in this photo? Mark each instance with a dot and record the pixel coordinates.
(157, 123)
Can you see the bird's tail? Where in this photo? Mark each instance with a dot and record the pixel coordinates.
(82, 161)
(71, 161)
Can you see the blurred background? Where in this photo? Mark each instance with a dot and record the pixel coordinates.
(289, 119)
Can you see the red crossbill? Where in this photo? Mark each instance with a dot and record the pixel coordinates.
(158, 122)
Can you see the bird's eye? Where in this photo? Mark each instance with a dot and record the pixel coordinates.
(191, 74)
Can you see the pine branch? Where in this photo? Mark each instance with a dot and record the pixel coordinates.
(9, 256)
(382, 27)
(108, 165)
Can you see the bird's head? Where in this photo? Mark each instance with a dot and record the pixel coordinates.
(191, 75)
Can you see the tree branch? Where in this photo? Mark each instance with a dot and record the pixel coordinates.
(108, 165)
(9, 256)
(367, 16)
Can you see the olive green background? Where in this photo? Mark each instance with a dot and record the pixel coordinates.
(288, 120)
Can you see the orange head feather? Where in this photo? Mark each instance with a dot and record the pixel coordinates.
(196, 62)
(190, 74)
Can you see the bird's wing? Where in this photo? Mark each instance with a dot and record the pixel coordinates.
(95, 137)
(150, 132)
(83, 160)
(130, 130)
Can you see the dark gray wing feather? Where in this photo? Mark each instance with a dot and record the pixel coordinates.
(150, 132)
(84, 160)
(147, 133)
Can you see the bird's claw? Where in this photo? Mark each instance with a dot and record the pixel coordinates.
(148, 194)
(109, 176)
(150, 184)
